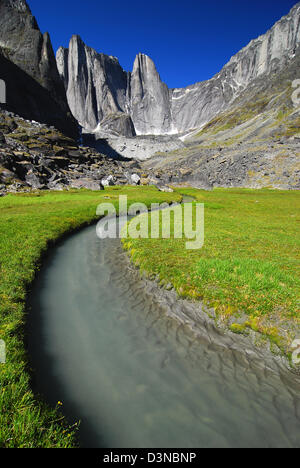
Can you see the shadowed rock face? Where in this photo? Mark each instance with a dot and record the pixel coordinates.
(97, 85)
(118, 124)
(24, 46)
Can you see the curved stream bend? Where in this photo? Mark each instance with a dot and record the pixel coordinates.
(104, 341)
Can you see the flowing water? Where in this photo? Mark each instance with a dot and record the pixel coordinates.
(133, 375)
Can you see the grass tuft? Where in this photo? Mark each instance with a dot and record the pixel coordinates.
(29, 225)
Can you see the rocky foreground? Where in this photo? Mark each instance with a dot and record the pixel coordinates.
(239, 129)
(264, 164)
(34, 156)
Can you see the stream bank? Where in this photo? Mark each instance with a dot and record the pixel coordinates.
(104, 342)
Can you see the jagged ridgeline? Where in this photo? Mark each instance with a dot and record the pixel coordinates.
(238, 129)
(28, 66)
(103, 96)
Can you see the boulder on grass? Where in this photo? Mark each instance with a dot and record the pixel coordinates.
(88, 184)
(135, 179)
(108, 181)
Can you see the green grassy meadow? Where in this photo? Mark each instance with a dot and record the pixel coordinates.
(249, 267)
(29, 225)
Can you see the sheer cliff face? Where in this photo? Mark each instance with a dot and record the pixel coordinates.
(28, 54)
(97, 86)
(149, 99)
(196, 105)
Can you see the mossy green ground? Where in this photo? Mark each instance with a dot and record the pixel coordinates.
(29, 224)
(249, 266)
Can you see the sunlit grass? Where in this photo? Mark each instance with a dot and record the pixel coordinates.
(249, 265)
(29, 224)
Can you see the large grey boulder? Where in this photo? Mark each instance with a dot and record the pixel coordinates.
(86, 184)
(108, 181)
(135, 179)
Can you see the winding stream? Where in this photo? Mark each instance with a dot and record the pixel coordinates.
(136, 377)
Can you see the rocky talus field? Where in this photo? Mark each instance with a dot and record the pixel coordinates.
(35, 156)
(238, 129)
(255, 143)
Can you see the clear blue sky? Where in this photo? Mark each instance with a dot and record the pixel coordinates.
(189, 40)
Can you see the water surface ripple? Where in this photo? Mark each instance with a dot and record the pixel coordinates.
(136, 377)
